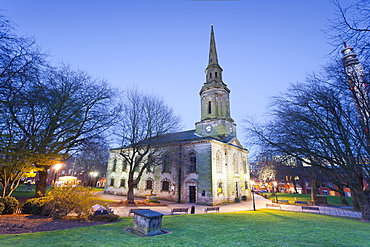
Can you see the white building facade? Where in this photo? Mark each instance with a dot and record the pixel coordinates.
(207, 165)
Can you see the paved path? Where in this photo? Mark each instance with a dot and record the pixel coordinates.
(260, 202)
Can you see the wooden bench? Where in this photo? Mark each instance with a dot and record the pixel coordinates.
(310, 208)
(179, 210)
(273, 205)
(207, 209)
(132, 210)
(301, 202)
(283, 201)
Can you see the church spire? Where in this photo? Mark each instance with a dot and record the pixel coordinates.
(213, 60)
(213, 70)
(215, 101)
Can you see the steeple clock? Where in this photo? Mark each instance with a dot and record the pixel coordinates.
(215, 102)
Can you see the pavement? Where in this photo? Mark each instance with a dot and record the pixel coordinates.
(259, 203)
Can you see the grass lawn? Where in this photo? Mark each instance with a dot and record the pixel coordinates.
(332, 200)
(250, 228)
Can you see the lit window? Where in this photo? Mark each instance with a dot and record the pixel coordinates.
(219, 188)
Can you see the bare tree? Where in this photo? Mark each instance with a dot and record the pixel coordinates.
(20, 63)
(319, 120)
(58, 112)
(45, 112)
(144, 123)
(91, 157)
(351, 26)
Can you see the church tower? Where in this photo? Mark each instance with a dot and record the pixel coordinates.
(215, 100)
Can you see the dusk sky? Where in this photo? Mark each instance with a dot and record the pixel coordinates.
(162, 46)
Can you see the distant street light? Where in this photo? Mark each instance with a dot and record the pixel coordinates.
(56, 168)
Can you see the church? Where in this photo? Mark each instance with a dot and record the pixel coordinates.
(208, 164)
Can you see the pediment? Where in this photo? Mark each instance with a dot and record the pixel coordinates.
(236, 142)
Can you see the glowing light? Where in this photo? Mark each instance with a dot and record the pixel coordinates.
(57, 166)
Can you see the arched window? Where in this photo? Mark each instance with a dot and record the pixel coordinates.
(149, 184)
(245, 168)
(165, 186)
(209, 107)
(111, 182)
(218, 162)
(235, 164)
(210, 75)
(215, 74)
(114, 165)
(219, 188)
(166, 168)
(124, 165)
(192, 163)
(123, 183)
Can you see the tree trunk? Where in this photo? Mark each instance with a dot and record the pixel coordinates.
(355, 202)
(343, 200)
(342, 197)
(363, 197)
(313, 191)
(130, 194)
(295, 186)
(365, 205)
(41, 184)
(302, 183)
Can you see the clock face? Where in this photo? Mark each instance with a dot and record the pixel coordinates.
(208, 128)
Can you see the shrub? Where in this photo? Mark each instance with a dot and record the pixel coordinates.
(2, 206)
(34, 205)
(65, 200)
(10, 204)
(154, 201)
(103, 217)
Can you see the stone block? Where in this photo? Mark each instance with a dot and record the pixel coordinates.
(148, 222)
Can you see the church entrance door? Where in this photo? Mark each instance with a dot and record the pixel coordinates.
(192, 194)
(237, 189)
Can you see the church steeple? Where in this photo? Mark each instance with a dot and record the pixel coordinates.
(213, 60)
(213, 70)
(215, 102)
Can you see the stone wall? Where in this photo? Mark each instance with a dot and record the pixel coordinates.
(214, 164)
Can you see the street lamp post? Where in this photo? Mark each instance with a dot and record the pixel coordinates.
(275, 191)
(56, 167)
(253, 201)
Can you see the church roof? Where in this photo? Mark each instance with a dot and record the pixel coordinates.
(188, 136)
(182, 136)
